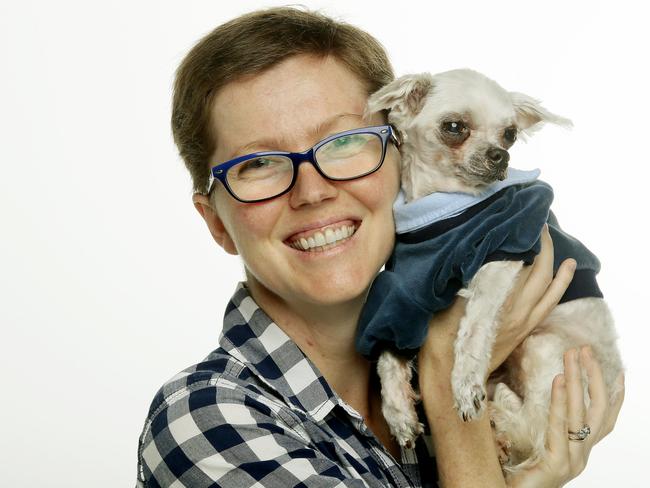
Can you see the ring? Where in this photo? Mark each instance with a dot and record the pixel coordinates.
(581, 435)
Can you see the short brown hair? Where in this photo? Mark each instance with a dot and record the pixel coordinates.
(250, 44)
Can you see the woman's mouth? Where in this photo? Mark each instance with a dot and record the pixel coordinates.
(323, 239)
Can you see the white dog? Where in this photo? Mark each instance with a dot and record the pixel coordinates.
(457, 128)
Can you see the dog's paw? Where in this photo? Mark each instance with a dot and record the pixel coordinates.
(470, 399)
(502, 443)
(406, 433)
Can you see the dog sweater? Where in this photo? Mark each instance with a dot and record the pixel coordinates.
(442, 241)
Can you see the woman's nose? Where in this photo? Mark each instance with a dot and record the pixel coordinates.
(311, 188)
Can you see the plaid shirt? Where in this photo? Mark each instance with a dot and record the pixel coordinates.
(257, 413)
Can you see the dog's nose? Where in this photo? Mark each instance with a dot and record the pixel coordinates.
(499, 157)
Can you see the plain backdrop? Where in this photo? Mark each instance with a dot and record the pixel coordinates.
(110, 282)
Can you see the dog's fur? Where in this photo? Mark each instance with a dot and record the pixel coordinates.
(456, 128)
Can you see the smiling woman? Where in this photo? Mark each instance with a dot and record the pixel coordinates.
(294, 104)
(272, 104)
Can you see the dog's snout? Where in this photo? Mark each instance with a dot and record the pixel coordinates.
(499, 157)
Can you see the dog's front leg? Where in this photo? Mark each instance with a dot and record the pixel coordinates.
(398, 398)
(476, 333)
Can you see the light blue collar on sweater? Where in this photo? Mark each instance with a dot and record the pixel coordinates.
(439, 206)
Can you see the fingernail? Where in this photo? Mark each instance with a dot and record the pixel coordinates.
(561, 381)
(572, 264)
(621, 378)
(586, 352)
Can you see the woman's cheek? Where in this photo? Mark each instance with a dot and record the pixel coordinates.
(255, 221)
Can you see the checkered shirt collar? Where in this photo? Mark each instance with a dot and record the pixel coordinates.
(253, 338)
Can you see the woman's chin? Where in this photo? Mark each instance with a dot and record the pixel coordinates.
(330, 292)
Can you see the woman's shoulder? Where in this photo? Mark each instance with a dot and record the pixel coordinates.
(221, 423)
(220, 378)
(208, 403)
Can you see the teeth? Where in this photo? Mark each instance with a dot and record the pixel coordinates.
(320, 239)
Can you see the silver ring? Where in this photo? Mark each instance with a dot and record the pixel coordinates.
(581, 435)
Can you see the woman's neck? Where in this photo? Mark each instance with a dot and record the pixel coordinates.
(326, 334)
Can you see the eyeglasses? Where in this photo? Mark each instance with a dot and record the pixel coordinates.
(340, 157)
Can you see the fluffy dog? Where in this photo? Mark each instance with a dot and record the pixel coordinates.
(456, 129)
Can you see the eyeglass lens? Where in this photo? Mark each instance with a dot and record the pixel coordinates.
(346, 157)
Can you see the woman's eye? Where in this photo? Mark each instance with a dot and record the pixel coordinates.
(342, 141)
(455, 127)
(260, 163)
(346, 141)
(344, 146)
(510, 134)
(256, 165)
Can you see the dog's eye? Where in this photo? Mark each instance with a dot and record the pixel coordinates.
(454, 127)
(510, 134)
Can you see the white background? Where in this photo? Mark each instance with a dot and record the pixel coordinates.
(109, 282)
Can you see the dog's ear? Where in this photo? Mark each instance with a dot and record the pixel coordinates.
(403, 97)
(531, 116)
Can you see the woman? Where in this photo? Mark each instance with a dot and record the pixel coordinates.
(286, 400)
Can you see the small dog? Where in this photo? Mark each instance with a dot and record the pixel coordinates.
(456, 129)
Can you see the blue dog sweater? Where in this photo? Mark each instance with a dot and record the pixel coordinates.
(442, 241)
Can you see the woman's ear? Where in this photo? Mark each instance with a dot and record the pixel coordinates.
(215, 224)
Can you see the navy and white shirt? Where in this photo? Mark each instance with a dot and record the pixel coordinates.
(257, 413)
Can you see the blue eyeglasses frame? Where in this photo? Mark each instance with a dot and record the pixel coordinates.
(220, 171)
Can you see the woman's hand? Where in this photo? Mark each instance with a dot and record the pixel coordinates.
(565, 459)
(534, 295)
(465, 451)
